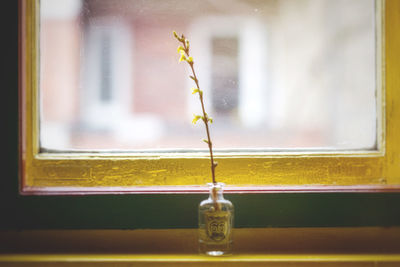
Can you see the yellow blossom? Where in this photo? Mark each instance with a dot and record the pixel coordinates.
(190, 60)
(181, 49)
(196, 118)
(182, 58)
(195, 90)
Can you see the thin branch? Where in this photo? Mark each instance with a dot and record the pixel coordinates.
(205, 117)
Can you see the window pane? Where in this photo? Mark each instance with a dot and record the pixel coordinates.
(286, 74)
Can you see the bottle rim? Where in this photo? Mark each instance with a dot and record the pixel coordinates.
(218, 185)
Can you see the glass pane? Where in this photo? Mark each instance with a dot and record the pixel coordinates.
(276, 74)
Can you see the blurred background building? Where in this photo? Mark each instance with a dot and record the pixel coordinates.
(284, 74)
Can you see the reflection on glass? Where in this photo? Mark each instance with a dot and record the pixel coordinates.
(276, 74)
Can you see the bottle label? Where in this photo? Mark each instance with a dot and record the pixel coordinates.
(217, 225)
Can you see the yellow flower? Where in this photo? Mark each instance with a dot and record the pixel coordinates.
(182, 58)
(181, 49)
(190, 60)
(196, 118)
(197, 90)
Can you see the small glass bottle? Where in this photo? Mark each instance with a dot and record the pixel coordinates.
(215, 223)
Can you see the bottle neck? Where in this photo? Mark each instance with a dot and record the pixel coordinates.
(216, 191)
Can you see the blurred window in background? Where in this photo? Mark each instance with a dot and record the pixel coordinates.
(225, 76)
(276, 74)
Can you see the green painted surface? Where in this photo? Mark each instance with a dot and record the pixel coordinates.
(180, 211)
(159, 211)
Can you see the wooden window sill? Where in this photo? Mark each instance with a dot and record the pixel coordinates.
(364, 246)
(279, 260)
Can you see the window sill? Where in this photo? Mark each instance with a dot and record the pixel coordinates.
(271, 260)
(362, 246)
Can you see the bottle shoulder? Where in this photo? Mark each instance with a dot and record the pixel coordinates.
(209, 201)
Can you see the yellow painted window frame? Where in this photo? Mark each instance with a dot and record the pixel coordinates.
(244, 172)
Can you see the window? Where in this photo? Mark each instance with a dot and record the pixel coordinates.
(225, 89)
(370, 166)
(106, 98)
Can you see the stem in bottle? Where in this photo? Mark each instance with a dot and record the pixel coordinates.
(205, 116)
